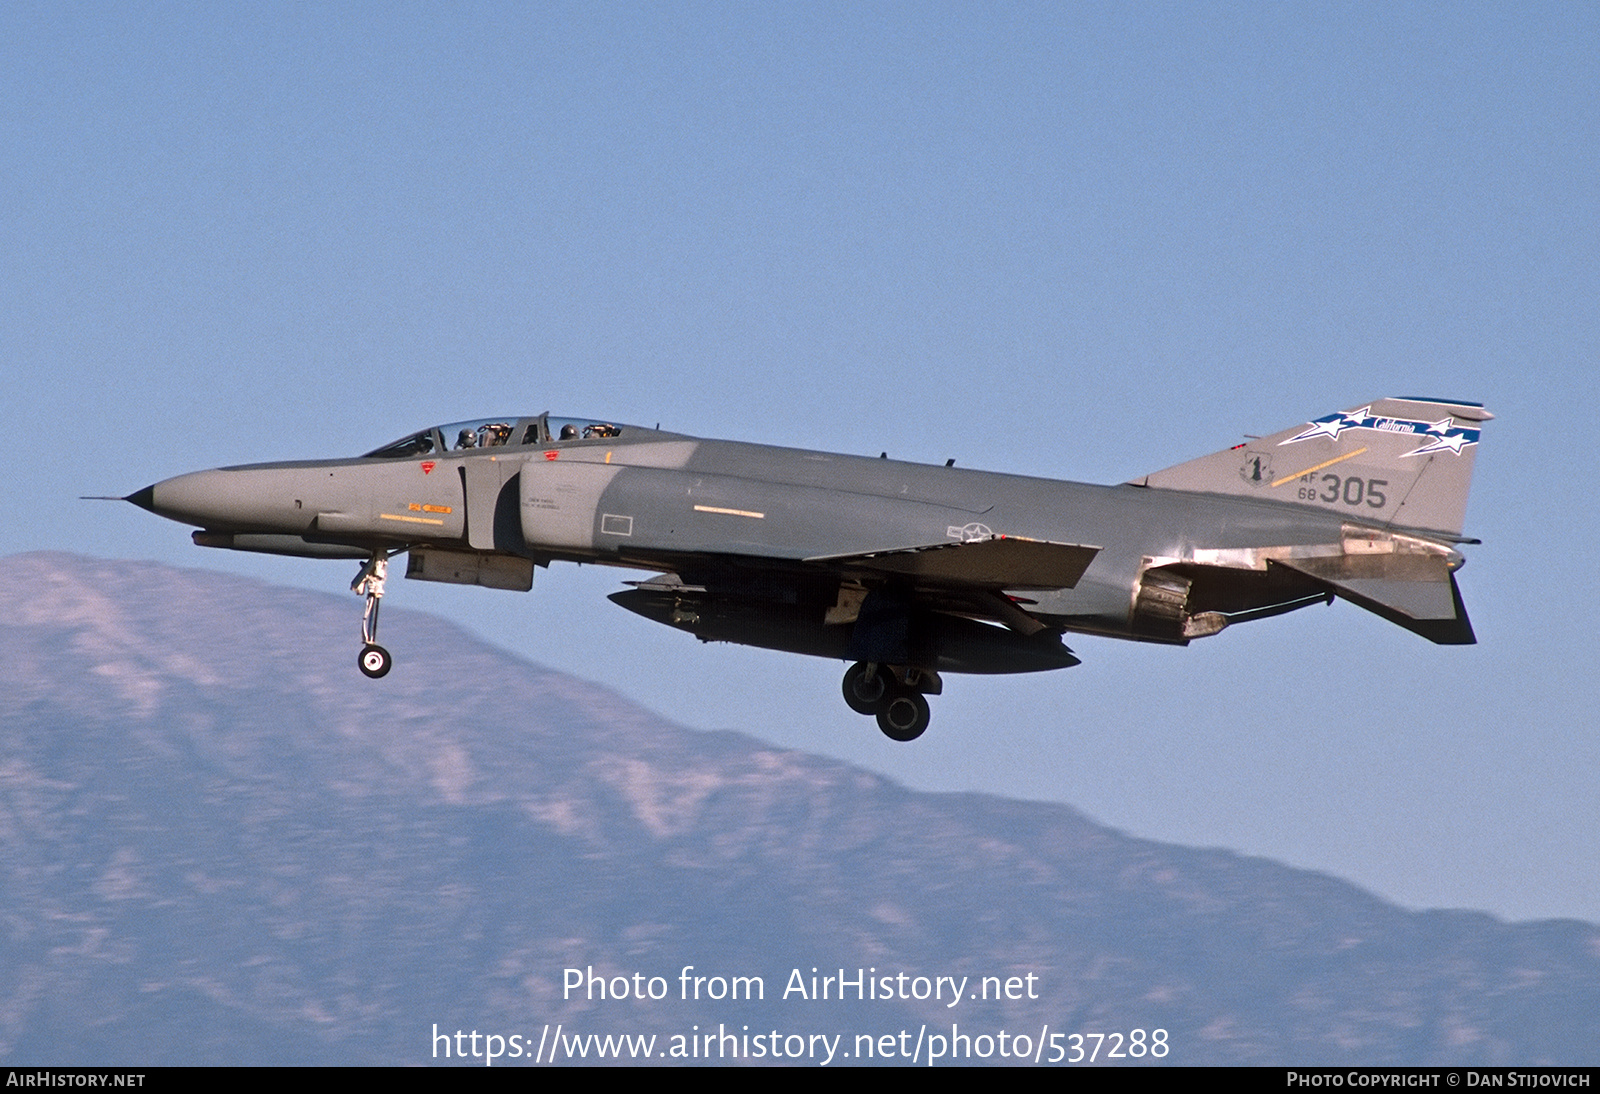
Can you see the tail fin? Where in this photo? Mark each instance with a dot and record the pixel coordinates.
(1405, 463)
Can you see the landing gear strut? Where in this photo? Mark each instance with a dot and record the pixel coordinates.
(901, 709)
(374, 660)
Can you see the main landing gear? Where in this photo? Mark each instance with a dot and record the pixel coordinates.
(900, 706)
(374, 660)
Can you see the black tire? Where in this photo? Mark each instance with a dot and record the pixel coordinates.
(905, 715)
(864, 696)
(375, 661)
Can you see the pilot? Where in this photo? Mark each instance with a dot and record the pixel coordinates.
(569, 432)
(467, 439)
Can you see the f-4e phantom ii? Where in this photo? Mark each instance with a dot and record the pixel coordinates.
(907, 570)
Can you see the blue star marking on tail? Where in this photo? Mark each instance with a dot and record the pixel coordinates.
(1334, 424)
(1444, 434)
(1453, 440)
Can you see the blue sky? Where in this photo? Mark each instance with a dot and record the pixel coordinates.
(1077, 241)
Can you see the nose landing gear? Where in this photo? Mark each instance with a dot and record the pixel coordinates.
(374, 660)
(899, 705)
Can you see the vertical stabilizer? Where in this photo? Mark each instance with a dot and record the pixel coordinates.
(1405, 463)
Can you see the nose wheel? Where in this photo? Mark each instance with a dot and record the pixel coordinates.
(374, 660)
(901, 709)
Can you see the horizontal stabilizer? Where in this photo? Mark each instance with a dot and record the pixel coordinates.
(1417, 592)
(1003, 562)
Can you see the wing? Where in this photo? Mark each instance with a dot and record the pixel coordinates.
(1001, 562)
(927, 605)
(968, 578)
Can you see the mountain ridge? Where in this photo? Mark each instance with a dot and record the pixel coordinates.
(238, 843)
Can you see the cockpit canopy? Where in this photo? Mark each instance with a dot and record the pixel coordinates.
(497, 433)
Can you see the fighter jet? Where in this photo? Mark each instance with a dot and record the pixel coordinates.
(907, 571)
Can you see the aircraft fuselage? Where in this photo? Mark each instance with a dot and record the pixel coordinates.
(918, 568)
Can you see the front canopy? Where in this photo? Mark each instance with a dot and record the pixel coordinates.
(497, 433)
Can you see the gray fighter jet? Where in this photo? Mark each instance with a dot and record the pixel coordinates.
(908, 571)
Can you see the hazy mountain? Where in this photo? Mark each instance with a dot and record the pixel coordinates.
(222, 844)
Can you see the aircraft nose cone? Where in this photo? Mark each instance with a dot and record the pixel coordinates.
(145, 499)
(236, 499)
(200, 498)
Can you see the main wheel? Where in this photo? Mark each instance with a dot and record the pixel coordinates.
(375, 661)
(904, 715)
(862, 695)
